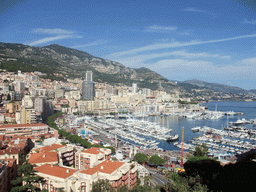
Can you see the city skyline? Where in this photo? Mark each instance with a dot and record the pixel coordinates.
(181, 40)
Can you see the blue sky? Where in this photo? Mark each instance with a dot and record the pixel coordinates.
(213, 41)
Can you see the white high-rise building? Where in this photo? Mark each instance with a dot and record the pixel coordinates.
(134, 87)
(20, 86)
(88, 91)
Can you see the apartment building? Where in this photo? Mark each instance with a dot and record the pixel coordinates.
(24, 129)
(91, 157)
(12, 153)
(53, 154)
(65, 178)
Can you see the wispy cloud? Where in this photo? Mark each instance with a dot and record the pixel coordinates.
(53, 35)
(191, 9)
(55, 31)
(183, 69)
(95, 43)
(136, 60)
(161, 29)
(49, 39)
(175, 45)
(249, 22)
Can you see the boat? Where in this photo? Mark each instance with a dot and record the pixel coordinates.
(240, 122)
(195, 129)
(173, 138)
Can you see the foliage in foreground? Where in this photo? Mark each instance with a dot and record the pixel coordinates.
(26, 174)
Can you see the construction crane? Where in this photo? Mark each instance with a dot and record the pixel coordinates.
(182, 146)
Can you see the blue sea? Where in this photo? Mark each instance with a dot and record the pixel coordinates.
(176, 123)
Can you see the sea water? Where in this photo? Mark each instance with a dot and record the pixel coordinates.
(176, 123)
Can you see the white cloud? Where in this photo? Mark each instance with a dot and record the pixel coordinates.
(175, 45)
(183, 69)
(134, 61)
(49, 39)
(249, 22)
(52, 31)
(249, 61)
(161, 29)
(95, 43)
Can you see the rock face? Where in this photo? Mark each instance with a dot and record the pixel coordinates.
(74, 63)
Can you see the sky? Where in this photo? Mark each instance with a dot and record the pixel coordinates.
(213, 41)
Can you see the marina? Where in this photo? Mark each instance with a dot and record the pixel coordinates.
(224, 136)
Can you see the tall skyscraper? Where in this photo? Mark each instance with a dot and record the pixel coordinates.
(89, 76)
(134, 87)
(88, 91)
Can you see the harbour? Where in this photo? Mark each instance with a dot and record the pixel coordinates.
(229, 134)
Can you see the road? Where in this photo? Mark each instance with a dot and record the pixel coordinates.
(157, 179)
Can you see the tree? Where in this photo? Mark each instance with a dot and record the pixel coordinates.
(8, 97)
(141, 158)
(204, 168)
(147, 179)
(42, 137)
(156, 160)
(27, 177)
(122, 189)
(101, 186)
(185, 184)
(201, 150)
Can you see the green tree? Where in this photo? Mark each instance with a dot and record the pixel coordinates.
(201, 150)
(185, 183)
(42, 137)
(8, 97)
(122, 189)
(141, 158)
(156, 160)
(27, 175)
(147, 179)
(101, 186)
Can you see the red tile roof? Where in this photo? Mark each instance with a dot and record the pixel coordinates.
(51, 147)
(1, 137)
(11, 161)
(10, 150)
(47, 157)
(56, 171)
(93, 150)
(104, 167)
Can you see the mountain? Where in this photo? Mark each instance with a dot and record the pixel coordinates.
(253, 91)
(217, 87)
(60, 63)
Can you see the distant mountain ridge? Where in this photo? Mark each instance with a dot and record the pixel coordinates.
(60, 63)
(218, 87)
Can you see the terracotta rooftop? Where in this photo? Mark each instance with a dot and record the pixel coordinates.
(11, 161)
(56, 171)
(47, 157)
(51, 147)
(10, 150)
(93, 150)
(22, 125)
(104, 167)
